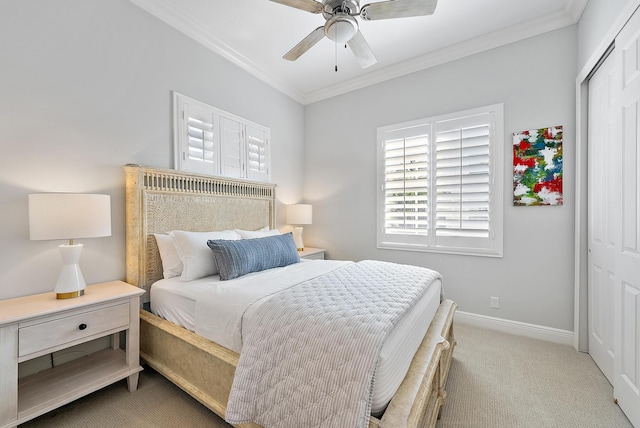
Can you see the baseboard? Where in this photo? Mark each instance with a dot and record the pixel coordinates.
(534, 331)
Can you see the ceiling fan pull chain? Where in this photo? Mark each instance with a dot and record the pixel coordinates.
(336, 49)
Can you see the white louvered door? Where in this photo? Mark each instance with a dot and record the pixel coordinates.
(627, 255)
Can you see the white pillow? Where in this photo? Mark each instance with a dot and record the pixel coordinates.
(250, 234)
(197, 259)
(171, 263)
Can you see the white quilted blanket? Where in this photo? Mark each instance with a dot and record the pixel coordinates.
(310, 352)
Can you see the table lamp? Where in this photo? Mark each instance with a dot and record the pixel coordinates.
(69, 216)
(299, 214)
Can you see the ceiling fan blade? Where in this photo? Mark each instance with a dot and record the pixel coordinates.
(361, 50)
(397, 9)
(307, 5)
(305, 44)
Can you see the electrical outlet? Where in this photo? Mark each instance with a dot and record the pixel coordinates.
(495, 303)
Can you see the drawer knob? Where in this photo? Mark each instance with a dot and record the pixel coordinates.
(82, 326)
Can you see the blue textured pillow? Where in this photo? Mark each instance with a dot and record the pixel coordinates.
(237, 258)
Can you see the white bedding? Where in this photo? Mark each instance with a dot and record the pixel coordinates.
(220, 318)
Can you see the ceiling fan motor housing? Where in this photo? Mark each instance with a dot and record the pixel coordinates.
(331, 7)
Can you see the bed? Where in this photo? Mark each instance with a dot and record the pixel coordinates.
(160, 200)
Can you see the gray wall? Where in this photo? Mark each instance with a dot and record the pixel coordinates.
(86, 88)
(535, 80)
(596, 20)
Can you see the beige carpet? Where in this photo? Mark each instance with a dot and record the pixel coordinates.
(501, 380)
(496, 380)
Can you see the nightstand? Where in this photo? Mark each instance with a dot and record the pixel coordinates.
(312, 253)
(37, 325)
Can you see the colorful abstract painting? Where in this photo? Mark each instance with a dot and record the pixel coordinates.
(537, 167)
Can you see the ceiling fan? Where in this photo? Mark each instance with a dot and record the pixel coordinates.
(342, 27)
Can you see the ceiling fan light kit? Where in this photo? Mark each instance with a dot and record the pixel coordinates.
(341, 28)
(341, 25)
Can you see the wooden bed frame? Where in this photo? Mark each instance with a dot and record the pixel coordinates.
(159, 200)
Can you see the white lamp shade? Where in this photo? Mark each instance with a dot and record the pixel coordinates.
(299, 214)
(69, 216)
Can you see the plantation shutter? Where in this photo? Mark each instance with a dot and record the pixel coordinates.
(440, 181)
(257, 153)
(201, 151)
(462, 175)
(231, 147)
(211, 141)
(406, 181)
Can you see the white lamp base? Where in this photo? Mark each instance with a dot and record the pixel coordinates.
(70, 282)
(297, 238)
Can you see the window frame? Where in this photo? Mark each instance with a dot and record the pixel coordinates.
(492, 246)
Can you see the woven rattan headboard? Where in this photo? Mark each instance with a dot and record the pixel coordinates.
(161, 200)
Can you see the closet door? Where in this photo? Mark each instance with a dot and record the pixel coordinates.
(603, 238)
(627, 256)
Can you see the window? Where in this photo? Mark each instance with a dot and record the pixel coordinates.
(440, 183)
(211, 141)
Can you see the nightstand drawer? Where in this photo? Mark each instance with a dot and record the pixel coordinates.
(56, 332)
(316, 256)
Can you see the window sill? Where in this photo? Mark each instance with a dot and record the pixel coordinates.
(442, 250)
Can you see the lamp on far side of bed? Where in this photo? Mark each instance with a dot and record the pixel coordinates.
(298, 215)
(69, 216)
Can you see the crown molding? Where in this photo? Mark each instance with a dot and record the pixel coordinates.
(447, 54)
(167, 12)
(575, 8)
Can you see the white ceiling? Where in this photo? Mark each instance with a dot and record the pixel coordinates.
(254, 34)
